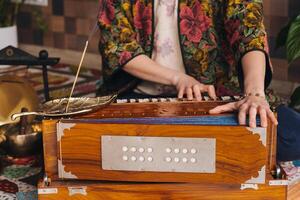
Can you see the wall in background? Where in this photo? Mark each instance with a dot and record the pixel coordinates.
(69, 23)
(277, 14)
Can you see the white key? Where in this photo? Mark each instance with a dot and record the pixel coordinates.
(226, 98)
(143, 100)
(206, 98)
(162, 99)
(132, 100)
(154, 100)
(122, 101)
(172, 99)
(237, 98)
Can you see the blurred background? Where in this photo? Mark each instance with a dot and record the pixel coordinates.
(62, 26)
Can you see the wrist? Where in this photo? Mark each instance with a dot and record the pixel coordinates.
(254, 91)
(258, 95)
(175, 78)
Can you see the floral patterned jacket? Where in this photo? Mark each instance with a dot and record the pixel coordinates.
(214, 36)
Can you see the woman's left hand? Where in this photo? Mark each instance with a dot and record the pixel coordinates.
(251, 105)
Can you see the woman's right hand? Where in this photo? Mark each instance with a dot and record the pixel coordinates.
(145, 68)
(187, 85)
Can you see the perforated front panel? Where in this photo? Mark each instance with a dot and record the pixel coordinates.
(159, 154)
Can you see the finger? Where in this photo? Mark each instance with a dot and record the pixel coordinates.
(197, 93)
(181, 93)
(224, 108)
(211, 92)
(272, 117)
(189, 93)
(263, 117)
(252, 116)
(242, 114)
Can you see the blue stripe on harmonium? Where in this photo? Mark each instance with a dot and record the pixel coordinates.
(226, 120)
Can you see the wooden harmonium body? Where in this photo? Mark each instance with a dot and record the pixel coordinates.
(159, 141)
(101, 190)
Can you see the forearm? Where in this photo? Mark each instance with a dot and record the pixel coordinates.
(254, 68)
(145, 68)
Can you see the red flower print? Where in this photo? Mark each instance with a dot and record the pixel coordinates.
(107, 11)
(143, 17)
(223, 91)
(124, 57)
(232, 29)
(228, 54)
(194, 22)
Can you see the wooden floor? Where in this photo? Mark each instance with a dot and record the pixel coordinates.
(294, 192)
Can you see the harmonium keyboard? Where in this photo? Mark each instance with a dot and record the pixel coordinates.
(159, 149)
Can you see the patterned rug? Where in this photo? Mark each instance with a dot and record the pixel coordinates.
(19, 178)
(60, 78)
(292, 170)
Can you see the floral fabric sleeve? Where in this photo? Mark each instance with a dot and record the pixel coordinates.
(118, 39)
(246, 32)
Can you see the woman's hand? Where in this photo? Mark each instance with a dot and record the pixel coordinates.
(187, 85)
(251, 105)
(145, 68)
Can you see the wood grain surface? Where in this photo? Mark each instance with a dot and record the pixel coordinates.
(163, 191)
(294, 192)
(240, 154)
(50, 148)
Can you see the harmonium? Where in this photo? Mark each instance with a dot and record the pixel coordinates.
(159, 149)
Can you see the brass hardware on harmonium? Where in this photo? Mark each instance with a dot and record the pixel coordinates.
(169, 142)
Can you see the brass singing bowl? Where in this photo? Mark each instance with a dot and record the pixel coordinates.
(24, 145)
(19, 145)
(15, 93)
